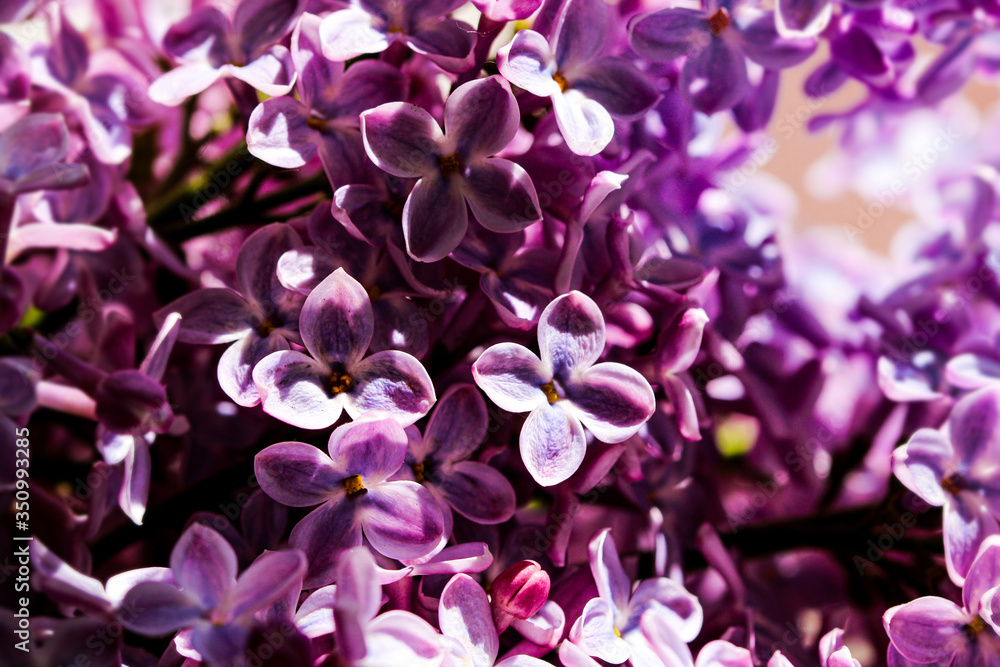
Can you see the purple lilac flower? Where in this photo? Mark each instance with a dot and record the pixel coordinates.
(455, 167)
(17, 399)
(936, 630)
(263, 317)
(336, 325)
(465, 620)
(714, 75)
(209, 45)
(952, 468)
(565, 389)
(586, 87)
(213, 608)
(401, 519)
(370, 26)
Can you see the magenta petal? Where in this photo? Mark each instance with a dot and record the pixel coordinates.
(971, 371)
(668, 34)
(182, 82)
(507, 10)
(974, 428)
(478, 491)
(337, 321)
(267, 580)
(512, 376)
(457, 427)
(358, 588)
(255, 268)
(482, 117)
(670, 602)
(297, 474)
(402, 139)
(278, 133)
(204, 564)
(679, 343)
(571, 333)
(928, 629)
(618, 86)
(400, 638)
(402, 520)
(949, 72)
(714, 78)
(613, 401)
(983, 575)
(802, 18)
(586, 126)
(200, 37)
(134, 493)
(528, 62)
(294, 388)
(501, 195)
(272, 73)
(259, 23)
(373, 449)
(464, 614)
(350, 32)
(156, 608)
(448, 43)
(612, 583)
(922, 464)
(212, 315)
(594, 632)
(721, 653)
(392, 382)
(435, 218)
(236, 366)
(323, 535)
(967, 524)
(552, 444)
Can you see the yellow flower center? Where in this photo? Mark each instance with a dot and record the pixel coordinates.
(450, 164)
(549, 389)
(418, 473)
(719, 21)
(354, 486)
(561, 80)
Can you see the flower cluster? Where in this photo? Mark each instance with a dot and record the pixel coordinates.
(391, 333)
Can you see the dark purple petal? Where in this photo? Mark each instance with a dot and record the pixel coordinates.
(256, 272)
(260, 23)
(680, 341)
(402, 520)
(201, 37)
(400, 324)
(204, 564)
(267, 580)
(501, 195)
(974, 428)
(373, 449)
(366, 85)
(477, 491)
(668, 33)
(714, 78)
(294, 388)
(481, 117)
(618, 86)
(802, 18)
(571, 333)
(949, 72)
(612, 400)
(552, 444)
(512, 376)
(434, 218)
(154, 608)
(402, 139)
(392, 382)
(763, 45)
(323, 535)
(582, 29)
(337, 321)
(448, 43)
(457, 427)
(33, 144)
(297, 474)
(860, 55)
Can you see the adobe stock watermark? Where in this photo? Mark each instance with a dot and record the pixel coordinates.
(912, 169)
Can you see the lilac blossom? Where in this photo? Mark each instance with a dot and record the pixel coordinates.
(371, 26)
(586, 88)
(455, 168)
(565, 389)
(213, 608)
(949, 468)
(336, 325)
(263, 317)
(401, 519)
(209, 45)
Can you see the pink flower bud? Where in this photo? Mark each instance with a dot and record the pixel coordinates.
(518, 592)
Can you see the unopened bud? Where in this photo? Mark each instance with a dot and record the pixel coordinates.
(518, 592)
(132, 402)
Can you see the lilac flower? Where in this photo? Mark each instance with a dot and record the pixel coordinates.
(288, 132)
(440, 460)
(586, 89)
(336, 324)
(714, 75)
(678, 347)
(17, 399)
(365, 637)
(953, 468)
(213, 607)
(936, 630)
(565, 389)
(518, 593)
(210, 46)
(465, 620)
(610, 621)
(454, 166)
(370, 26)
(259, 319)
(400, 519)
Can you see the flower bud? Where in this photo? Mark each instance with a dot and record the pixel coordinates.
(132, 402)
(518, 592)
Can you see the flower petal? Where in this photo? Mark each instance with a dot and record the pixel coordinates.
(458, 425)
(928, 629)
(154, 608)
(464, 614)
(402, 139)
(983, 575)
(402, 520)
(323, 536)
(337, 320)
(268, 579)
(293, 388)
(528, 63)
(400, 638)
(236, 366)
(481, 117)
(296, 474)
(373, 449)
(618, 86)
(272, 73)
(180, 83)
(571, 333)
(586, 126)
(967, 524)
(613, 401)
(612, 583)
(512, 376)
(212, 315)
(922, 464)
(278, 133)
(714, 78)
(435, 218)
(552, 444)
(348, 33)
(447, 43)
(595, 633)
(478, 491)
(501, 195)
(392, 382)
(974, 427)
(204, 564)
(668, 33)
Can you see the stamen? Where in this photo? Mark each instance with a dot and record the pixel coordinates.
(951, 484)
(317, 124)
(549, 389)
(719, 21)
(354, 486)
(418, 473)
(561, 80)
(340, 383)
(450, 164)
